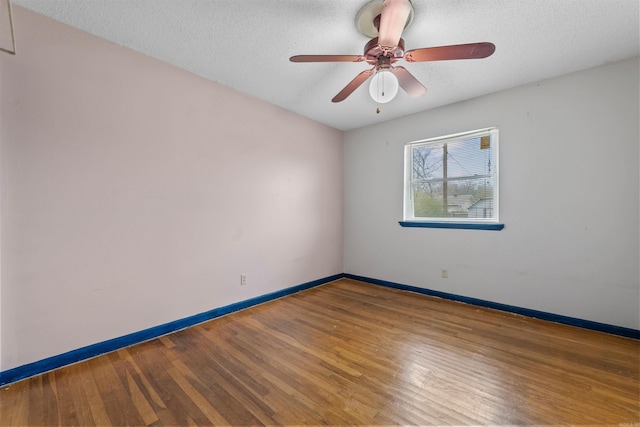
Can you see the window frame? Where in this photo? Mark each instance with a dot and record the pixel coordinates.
(409, 220)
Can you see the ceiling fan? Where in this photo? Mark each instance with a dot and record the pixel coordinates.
(384, 20)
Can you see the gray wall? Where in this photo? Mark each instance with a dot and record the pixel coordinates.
(569, 199)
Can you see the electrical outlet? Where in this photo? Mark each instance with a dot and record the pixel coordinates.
(444, 273)
(243, 279)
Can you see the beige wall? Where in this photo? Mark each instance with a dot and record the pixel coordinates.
(135, 193)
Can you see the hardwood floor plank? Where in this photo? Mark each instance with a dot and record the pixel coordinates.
(70, 395)
(142, 405)
(290, 375)
(351, 353)
(94, 400)
(153, 399)
(279, 381)
(183, 377)
(155, 366)
(36, 402)
(114, 395)
(18, 401)
(49, 402)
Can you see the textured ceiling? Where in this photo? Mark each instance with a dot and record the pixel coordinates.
(245, 44)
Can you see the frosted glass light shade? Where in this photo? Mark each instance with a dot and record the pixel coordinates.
(383, 87)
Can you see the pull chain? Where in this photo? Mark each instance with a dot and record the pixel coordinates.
(377, 97)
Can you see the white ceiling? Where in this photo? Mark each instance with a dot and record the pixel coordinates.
(246, 44)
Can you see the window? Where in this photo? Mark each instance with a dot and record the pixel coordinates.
(452, 181)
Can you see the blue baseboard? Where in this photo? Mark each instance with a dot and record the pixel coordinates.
(557, 318)
(73, 356)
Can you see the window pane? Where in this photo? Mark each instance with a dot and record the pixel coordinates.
(428, 202)
(427, 162)
(467, 198)
(465, 158)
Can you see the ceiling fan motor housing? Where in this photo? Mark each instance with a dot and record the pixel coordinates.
(373, 52)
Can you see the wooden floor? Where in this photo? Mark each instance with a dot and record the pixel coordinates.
(347, 353)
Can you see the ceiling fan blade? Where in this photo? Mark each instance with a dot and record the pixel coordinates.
(408, 83)
(327, 58)
(445, 53)
(353, 85)
(393, 18)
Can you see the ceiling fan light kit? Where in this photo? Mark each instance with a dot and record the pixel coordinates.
(385, 20)
(383, 87)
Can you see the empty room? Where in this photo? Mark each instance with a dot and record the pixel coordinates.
(319, 212)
